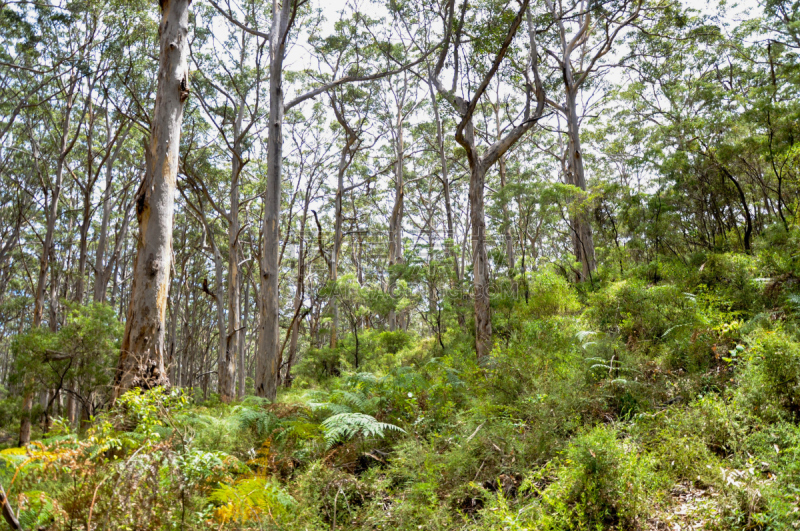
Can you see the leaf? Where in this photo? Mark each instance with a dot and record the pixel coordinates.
(345, 426)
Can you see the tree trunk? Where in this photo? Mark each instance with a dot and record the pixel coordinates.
(582, 240)
(299, 291)
(451, 249)
(506, 217)
(103, 270)
(87, 189)
(337, 242)
(80, 286)
(243, 344)
(141, 361)
(267, 366)
(748, 227)
(480, 261)
(396, 217)
(227, 367)
(48, 254)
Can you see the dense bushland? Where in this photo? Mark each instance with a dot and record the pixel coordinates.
(629, 404)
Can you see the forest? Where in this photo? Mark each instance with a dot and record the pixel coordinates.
(396, 264)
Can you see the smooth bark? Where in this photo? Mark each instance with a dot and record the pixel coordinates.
(267, 363)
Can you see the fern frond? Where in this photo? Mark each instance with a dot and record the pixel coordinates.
(251, 499)
(345, 426)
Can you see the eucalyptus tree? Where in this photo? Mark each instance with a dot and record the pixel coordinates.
(351, 45)
(61, 115)
(445, 179)
(585, 34)
(311, 156)
(124, 125)
(493, 49)
(353, 121)
(719, 130)
(230, 83)
(398, 103)
(111, 139)
(285, 19)
(141, 361)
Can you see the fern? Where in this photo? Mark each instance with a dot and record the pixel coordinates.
(794, 301)
(259, 422)
(584, 335)
(345, 426)
(344, 401)
(252, 499)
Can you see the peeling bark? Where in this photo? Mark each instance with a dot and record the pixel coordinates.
(141, 361)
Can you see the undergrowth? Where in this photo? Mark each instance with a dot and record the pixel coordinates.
(630, 405)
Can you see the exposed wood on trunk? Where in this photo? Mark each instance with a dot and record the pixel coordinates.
(8, 512)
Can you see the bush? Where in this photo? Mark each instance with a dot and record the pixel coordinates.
(393, 342)
(770, 376)
(547, 293)
(641, 313)
(80, 357)
(318, 365)
(687, 443)
(600, 482)
(733, 278)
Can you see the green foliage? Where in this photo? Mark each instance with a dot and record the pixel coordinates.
(547, 293)
(149, 412)
(345, 426)
(319, 364)
(600, 482)
(393, 342)
(78, 358)
(733, 277)
(770, 376)
(257, 499)
(639, 313)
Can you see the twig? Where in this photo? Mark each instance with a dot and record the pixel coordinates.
(474, 433)
(91, 507)
(8, 512)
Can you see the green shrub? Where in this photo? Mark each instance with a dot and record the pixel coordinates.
(641, 313)
(733, 278)
(776, 455)
(770, 376)
(546, 293)
(318, 365)
(392, 342)
(258, 500)
(686, 443)
(600, 482)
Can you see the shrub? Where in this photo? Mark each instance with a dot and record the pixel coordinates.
(255, 499)
(686, 443)
(733, 278)
(547, 293)
(319, 364)
(600, 482)
(393, 342)
(770, 376)
(638, 312)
